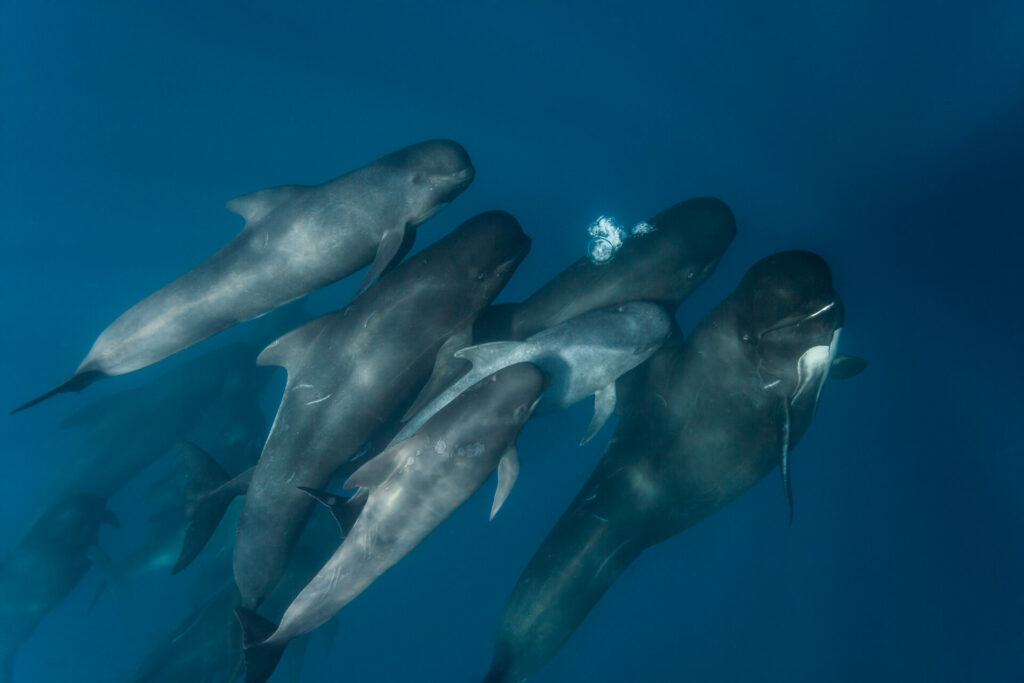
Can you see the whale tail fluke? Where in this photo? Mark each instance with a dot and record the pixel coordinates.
(77, 382)
(261, 658)
(208, 493)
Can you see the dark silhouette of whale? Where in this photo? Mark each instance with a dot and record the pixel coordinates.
(700, 424)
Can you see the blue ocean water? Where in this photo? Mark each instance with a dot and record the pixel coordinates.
(886, 138)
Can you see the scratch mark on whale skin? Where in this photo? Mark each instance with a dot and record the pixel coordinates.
(319, 400)
(607, 559)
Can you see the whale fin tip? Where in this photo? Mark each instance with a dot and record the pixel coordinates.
(393, 246)
(604, 406)
(260, 658)
(508, 472)
(77, 382)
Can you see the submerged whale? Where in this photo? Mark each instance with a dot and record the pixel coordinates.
(296, 239)
(46, 565)
(404, 494)
(582, 357)
(700, 424)
(665, 265)
(349, 372)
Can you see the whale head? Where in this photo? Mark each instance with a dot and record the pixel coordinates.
(479, 256)
(678, 252)
(437, 171)
(791, 319)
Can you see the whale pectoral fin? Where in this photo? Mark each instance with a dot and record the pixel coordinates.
(508, 472)
(845, 367)
(782, 428)
(256, 205)
(389, 251)
(604, 406)
(376, 471)
(447, 369)
(288, 349)
(344, 509)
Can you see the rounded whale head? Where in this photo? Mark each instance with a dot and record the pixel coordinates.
(437, 172)
(790, 314)
(678, 252)
(483, 253)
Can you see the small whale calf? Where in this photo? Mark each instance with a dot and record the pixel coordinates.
(296, 239)
(404, 494)
(582, 356)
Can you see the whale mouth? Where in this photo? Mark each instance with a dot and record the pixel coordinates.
(793, 320)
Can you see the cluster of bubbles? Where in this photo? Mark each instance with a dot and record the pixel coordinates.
(607, 236)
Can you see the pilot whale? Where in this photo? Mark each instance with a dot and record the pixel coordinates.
(296, 239)
(665, 265)
(582, 356)
(404, 494)
(349, 372)
(700, 424)
(46, 565)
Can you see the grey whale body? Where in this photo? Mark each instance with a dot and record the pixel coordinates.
(296, 239)
(348, 373)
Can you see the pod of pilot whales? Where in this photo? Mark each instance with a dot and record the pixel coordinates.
(400, 406)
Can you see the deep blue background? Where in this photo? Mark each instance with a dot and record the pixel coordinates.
(886, 138)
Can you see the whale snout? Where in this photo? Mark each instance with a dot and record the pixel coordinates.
(444, 164)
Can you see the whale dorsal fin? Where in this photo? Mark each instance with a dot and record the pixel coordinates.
(508, 472)
(344, 509)
(255, 205)
(604, 406)
(292, 346)
(377, 471)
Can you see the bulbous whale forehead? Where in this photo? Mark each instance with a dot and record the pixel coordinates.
(699, 230)
(687, 242)
(788, 288)
(437, 160)
(487, 241)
